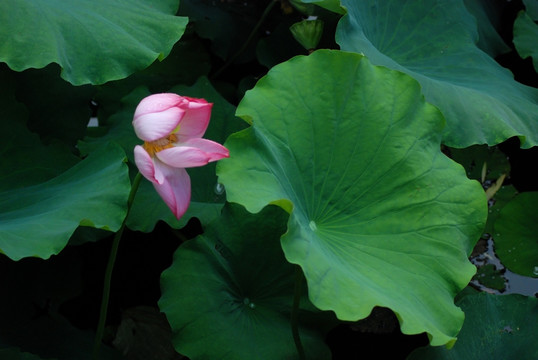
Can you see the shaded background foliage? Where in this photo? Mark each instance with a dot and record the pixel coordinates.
(49, 308)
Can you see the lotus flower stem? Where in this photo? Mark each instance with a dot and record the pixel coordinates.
(295, 312)
(109, 268)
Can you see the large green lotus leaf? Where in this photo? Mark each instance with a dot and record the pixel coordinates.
(17, 354)
(93, 41)
(488, 16)
(379, 216)
(229, 292)
(117, 128)
(28, 162)
(58, 110)
(38, 220)
(332, 5)
(502, 197)
(188, 60)
(496, 327)
(436, 45)
(526, 37)
(227, 24)
(531, 6)
(24, 160)
(482, 163)
(207, 195)
(84, 234)
(491, 278)
(516, 242)
(149, 208)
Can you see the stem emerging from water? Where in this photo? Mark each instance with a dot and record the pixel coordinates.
(295, 311)
(110, 268)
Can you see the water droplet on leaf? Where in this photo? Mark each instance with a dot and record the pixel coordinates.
(219, 189)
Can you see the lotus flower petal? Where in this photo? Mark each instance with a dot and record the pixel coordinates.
(157, 103)
(214, 150)
(153, 126)
(175, 189)
(196, 119)
(172, 127)
(146, 166)
(183, 157)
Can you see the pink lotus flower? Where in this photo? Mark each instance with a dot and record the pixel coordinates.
(172, 127)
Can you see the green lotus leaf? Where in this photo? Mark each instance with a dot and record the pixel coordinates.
(501, 198)
(17, 354)
(188, 53)
(54, 104)
(232, 285)
(117, 128)
(488, 17)
(227, 24)
(496, 327)
(490, 277)
(516, 227)
(526, 37)
(24, 160)
(148, 208)
(84, 234)
(332, 5)
(379, 216)
(93, 41)
(38, 220)
(482, 163)
(531, 7)
(436, 45)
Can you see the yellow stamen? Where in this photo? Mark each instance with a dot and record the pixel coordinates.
(153, 147)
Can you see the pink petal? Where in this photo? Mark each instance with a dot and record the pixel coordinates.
(214, 150)
(157, 103)
(145, 164)
(153, 126)
(183, 157)
(196, 119)
(175, 190)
